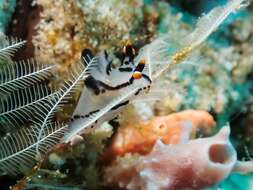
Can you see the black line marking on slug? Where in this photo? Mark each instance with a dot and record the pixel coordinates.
(138, 92)
(100, 87)
(109, 68)
(95, 85)
(126, 62)
(76, 117)
(126, 69)
(131, 80)
(139, 67)
(120, 105)
(106, 55)
(90, 113)
(147, 77)
(108, 87)
(92, 84)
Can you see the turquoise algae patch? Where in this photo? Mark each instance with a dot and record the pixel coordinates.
(232, 183)
(7, 8)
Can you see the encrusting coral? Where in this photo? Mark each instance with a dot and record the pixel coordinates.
(107, 29)
(78, 24)
(58, 39)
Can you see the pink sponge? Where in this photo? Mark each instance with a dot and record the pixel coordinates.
(194, 164)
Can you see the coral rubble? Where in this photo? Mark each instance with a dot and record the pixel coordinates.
(61, 37)
(58, 39)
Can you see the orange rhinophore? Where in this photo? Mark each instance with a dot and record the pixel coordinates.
(137, 75)
(142, 61)
(139, 68)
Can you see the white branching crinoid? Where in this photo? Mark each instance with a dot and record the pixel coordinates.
(23, 98)
(28, 106)
(27, 109)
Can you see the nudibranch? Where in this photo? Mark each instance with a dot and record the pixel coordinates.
(107, 89)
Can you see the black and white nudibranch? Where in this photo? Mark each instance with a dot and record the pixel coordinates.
(107, 83)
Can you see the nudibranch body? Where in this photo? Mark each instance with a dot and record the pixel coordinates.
(107, 89)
